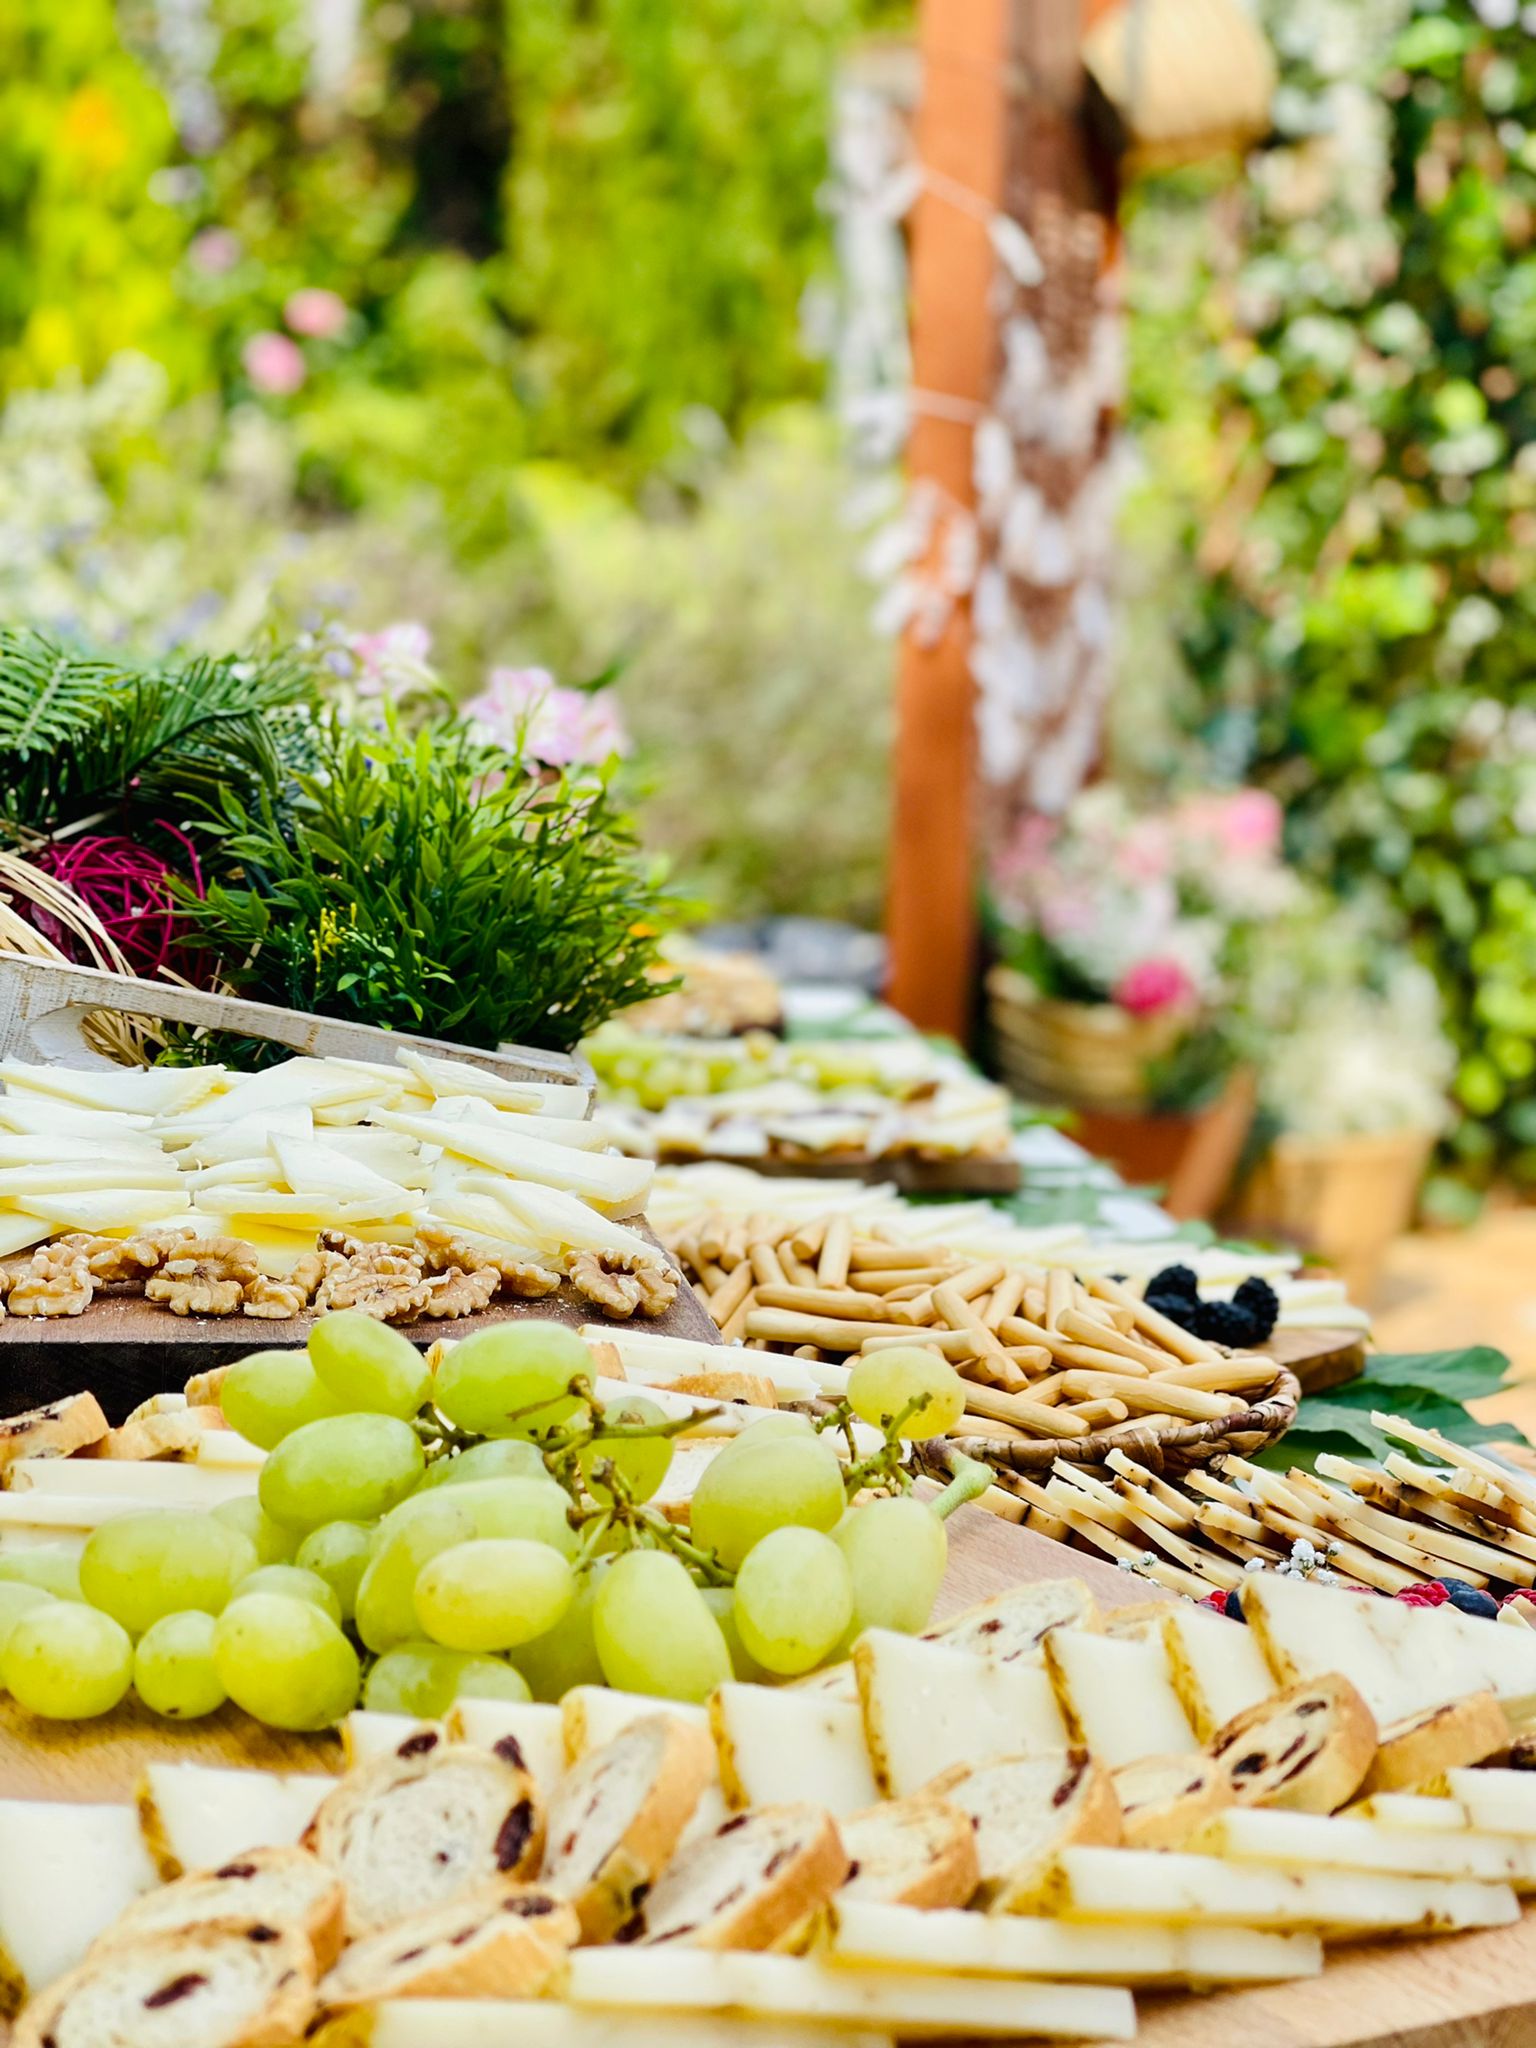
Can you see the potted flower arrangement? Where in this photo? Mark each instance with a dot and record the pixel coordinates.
(1122, 937)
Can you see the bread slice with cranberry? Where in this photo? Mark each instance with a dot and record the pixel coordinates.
(1166, 1800)
(229, 1984)
(1013, 1624)
(278, 1887)
(1307, 1750)
(747, 1884)
(433, 1821)
(1422, 1748)
(1024, 1811)
(502, 1941)
(910, 1852)
(620, 1813)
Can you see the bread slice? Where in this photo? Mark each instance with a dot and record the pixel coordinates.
(278, 1887)
(230, 1984)
(424, 1826)
(1165, 1800)
(619, 1815)
(501, 1941)
(910, 1852)
(1012, 1625)
(747, 1884)
(1024, 1811)
(1419, 1749)
(1308, 1749)
(71, 1424)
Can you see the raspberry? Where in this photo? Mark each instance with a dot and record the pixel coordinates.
(1217, 1600)
(1180, 1281)
(1224, 1322)
(1430, 1594)
(1262, 1303)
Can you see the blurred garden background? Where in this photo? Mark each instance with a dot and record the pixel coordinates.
(464, 339)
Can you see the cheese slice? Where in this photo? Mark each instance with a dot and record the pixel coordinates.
(552, 1215)
(593, 1714)
(549, 2023)
(195, 1818)
(1169, 1886)
(778, 1747)
(109, 1209)
(1335, 1842)
(606, 1179)
(226, 1450)
(66, 1872)
(926, 1707)
(157, 1482)
(791, 1988)
(1118, 1695)
(1009, 1945)
(89, 1177)
(460, 1077)
(65, 1511)
(366, 1734)
(312, 1169)
(537, 1729)
(19, 1232)
(1217, 1668)
(1410, 1810)
(142, 1091)
(47, 1115)
(1502, 1801)
(1403, 1659)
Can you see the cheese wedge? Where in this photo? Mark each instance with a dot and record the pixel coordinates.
(538, 1731)
(543, 1214)
(792, 1988)
(990, 1945)
(1502, 1801)
(142, 1091)
(1410, 1810)
(1217, 1667)
(226, 1450)
(779, 1747)
(1118, 1696)
(312, 1169)
(593, 1714)
(1336, 1842)
(65, 1511)
(460, 1077)
(195, 1818)
(549, 2023)
(45, 1115)
(606, 1179)
(114, 1208)
(1403, 1659)
(66, 1872)
(1166, 1886)
(926, 1707)
(158, 1482)
(19, 1232)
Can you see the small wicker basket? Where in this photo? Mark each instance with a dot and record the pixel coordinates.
(1092, 1056)
(1169, 1448)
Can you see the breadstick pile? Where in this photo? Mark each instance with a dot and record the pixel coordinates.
(1047, 1353)
(1468, 1518)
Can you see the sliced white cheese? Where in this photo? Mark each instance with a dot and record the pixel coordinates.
(365, 1734)
(651, 1360)
(606, 1179)
(1118, 1694)
(195, 1818)
(550, 2023)
(1217, 1667)
(117, 1209)
(151, 1091)
(301, 1081)
(550, 1214)
(593, 1714)
(313, 1169)
(926, 1707)
(65, 1511)
(588, 1134)
(90, 1177)
(915, 2002)
(158, 1482)
(228, 1450)
(1504, 1801)
(1169, 1886)
(246, 1137)
(459, 1077)
(778, 1747)
(536, 1728)
(1410, 1810)
(1323, 1842)
(18, 1232)
(47, 1115)
(301, 1212)
(66, 1873)
(28, 1149)
(1403, 1659)
(1010, 1945)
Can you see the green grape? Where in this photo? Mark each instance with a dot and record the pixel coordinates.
(138, 1567)
(50, 1566)
(67, 1662)
(338, 1553)
(493, 1595)
(536, 1509)
(896, 1551)
(794, 1599)
(17, 1599)
(494, 1375)
(274, 1544)
(883, 1383)
(566, 1655)
(504, 1457)
(348, 1468)
(750, 1489)
(269, 1394)
(491, 1678)
(721, 1602)
(173, 1667)
(410, 1539)
(285, 1662)
(294, 1583)
(654, 1634)
(787, 1422)
(424, 1680)
(641, 1462)
(364, 1364)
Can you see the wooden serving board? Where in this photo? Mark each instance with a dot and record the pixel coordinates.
(1319, 1358)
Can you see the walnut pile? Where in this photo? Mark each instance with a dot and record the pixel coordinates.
(278, 1300)
(619, 1283)
(378, 1280)
(523, 1279)
(205, 1276)
(57, 1282)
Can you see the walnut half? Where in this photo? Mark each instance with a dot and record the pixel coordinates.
(377, 1281)
(457, 1293)
(56, 1283)
(523, 1279)
(619, 1283)
(205, 1276)
(274, 1301)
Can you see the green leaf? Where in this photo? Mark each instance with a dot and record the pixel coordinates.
(1466, 1375)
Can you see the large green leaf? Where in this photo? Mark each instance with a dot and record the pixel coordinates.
(1470, 1374)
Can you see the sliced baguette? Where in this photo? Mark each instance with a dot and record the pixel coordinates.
(1419, 1749)
(72, 1424)
(424, 1826)
(748, 1884)
(1308, 1749)
(271, 1887)
(230, 1984)
(619, 1815)
(910, 1852)
(1012, 1625)
(501, 1941)
(1024, 1811)
(1164, 1800)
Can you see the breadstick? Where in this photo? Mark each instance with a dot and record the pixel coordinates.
(806, 1242)
(1231, 1376)
(1103, 1336)
(1060, 1293)
(1150, 1396)
(847, 1333)
(888, 1280)
(1193, 1350)
(731, 1293)
(1097, 1413)
(836, 1248)
(735, 1324)
(1029, 1415)
(828, 1301)
(796, 1272)
(1004, 1299)
(764, 1261)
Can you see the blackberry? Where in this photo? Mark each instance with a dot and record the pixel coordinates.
(1470, 1600)
(1179, 1281)
(1262, 1303)
(1224, 1322)
(1176, 1307)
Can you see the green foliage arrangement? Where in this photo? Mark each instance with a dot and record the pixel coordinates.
(428, 883)
(1347, 396)
(1425, 1387)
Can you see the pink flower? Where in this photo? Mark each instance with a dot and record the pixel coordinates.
(274, 364)
(316, 312)
(1251, 822)
(1156, 983)
(393, 659)
(214, 251)
(525, 708)
(1146, 853)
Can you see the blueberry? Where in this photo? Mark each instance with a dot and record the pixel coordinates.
(1235, 1605)
(1469, 1600)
